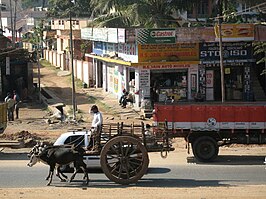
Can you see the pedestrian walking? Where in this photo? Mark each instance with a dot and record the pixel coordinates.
(17, 102)
(10, 106)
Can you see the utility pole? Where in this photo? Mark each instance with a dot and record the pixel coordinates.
(1, 25)
(39, 75)
(219, 18)
(221, 56)
(15, 20)
(39, 38)
(72, 67)
(11, 22)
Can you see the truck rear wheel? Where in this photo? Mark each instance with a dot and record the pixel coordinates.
(205, 149)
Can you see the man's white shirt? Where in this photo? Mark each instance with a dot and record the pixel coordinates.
(97, 120)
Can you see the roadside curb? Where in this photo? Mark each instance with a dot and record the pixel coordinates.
(51, 100)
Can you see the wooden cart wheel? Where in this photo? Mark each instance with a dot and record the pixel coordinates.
(124, 160)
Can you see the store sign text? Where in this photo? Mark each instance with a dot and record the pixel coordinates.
(162, 33)
(232, 52)
(166, 66)
(226, 53)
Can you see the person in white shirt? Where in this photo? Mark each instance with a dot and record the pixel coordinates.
(10, 106)
(96, 127)
(97, 118)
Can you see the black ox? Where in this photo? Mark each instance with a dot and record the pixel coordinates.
(56, 156)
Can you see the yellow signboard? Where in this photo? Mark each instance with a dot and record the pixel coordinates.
(168, 52)
(236, 32)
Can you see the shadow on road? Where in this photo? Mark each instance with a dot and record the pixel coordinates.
(145, 182)
(13, 156)
(220, 160)
(231, 160)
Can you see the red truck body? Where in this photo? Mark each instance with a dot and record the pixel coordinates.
(208, 126)
(211, 117)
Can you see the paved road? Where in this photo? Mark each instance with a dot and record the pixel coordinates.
(243, 171)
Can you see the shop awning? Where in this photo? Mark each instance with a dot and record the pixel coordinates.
(109, 59)
(147, 65)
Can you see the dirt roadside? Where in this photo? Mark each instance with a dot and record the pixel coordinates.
(243, 192)
(33, 119)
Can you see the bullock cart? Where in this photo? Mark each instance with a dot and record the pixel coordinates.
(123, 150)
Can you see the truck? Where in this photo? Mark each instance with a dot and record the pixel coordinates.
(207, 126)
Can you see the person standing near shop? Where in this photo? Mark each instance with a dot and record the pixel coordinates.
(10, 106)
(17, 102)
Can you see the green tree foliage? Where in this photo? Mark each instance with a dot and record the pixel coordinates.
(85, 46)
(260, 50)
(140, 13)
(34, 3)
(35, 36)
(61, 8)
(250, 2)
(231, 15)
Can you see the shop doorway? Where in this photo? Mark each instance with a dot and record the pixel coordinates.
(217, 86)
(169, 85)
(233, 83)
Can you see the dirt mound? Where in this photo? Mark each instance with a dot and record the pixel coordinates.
(22, 135)
(29, 139)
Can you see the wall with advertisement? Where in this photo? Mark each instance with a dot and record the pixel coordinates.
(195, 34)
(98, 48)
(144, 83)
(116, 80)
(126, 35)
(110, 78)
(156, 36)
(137, 88)
(100, 34)
(209, 85)
(168, 52)
(112, 35)
(235, 32)
(192, 81)
(202, 81)
(128, 51)
(111, 48)
(105, 83)
(86, 33)
(121, 75)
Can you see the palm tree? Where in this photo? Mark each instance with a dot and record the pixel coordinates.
(60, 8)
(140, 13)
(156, 13)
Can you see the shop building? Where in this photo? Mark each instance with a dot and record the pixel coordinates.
(238, 62)
(160, 65)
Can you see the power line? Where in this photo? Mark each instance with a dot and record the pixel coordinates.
(242, 11)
